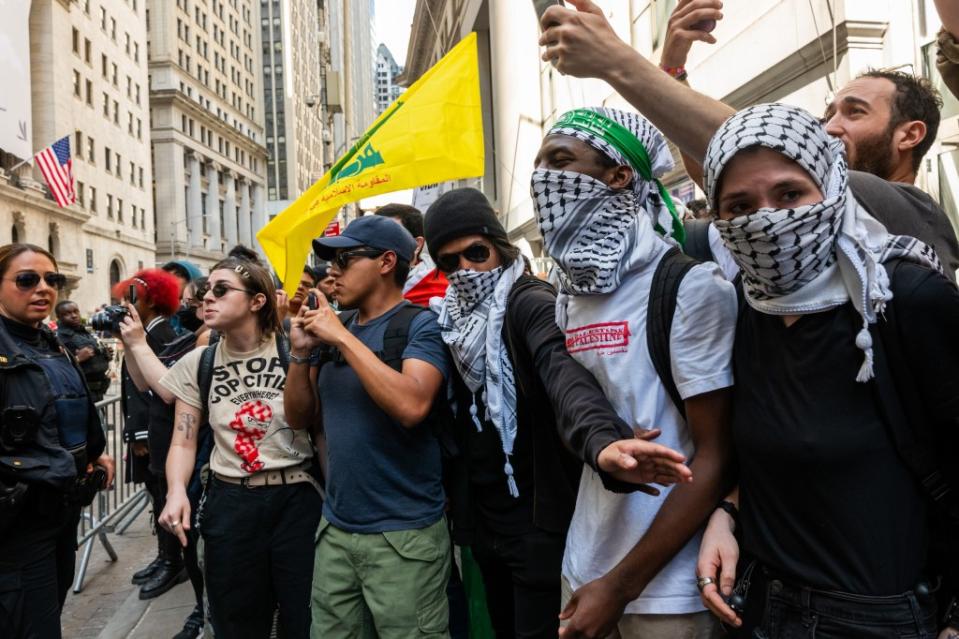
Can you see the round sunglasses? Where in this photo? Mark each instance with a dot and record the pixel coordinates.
(220, 289)
(28, 280)
(476, 253)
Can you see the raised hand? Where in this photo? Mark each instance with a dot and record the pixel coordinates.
(131, 328)
(686, 26)
(580, 43)
(323, 323)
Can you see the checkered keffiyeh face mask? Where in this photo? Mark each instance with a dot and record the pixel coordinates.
(815, 257)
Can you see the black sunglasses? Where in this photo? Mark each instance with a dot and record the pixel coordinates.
(220, 289)
(28, 280)
(475, 253)
(342, 260)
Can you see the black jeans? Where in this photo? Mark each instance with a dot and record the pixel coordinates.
(258, 550)
(522, 575)
(37, 558)
(776, 609)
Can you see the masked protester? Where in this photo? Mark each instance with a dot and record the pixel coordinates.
(528, 416)
(608, 224)
(846, 340)
(50, 440)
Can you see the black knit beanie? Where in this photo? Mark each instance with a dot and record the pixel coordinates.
(458, 213)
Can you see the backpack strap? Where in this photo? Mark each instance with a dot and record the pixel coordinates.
(205, 378)
(660, 309)
(329, 353)
(901, 405)
(397, 336)
(697, 240)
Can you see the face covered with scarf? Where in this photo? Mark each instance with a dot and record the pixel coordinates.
(802, 241)
(597, 197)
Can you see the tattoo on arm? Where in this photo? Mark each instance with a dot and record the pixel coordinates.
(186, 423)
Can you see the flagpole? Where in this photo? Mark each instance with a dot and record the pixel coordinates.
(30, 159)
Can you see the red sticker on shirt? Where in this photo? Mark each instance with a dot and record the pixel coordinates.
(608, 336)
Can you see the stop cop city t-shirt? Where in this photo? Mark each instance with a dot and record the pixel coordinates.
(246, 409)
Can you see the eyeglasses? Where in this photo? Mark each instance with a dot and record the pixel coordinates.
(220, 289)
(28, 280)
(475, 253)
(342, 260)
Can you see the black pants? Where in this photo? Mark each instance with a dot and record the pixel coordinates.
(521, 574)
(776, 609)
(258, 551)
(170, 545)
(37, 559)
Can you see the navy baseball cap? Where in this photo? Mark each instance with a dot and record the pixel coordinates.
(374, 231)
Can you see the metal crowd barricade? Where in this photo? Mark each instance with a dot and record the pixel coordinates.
(115, 508)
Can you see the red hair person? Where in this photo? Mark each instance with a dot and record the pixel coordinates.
(157, 298)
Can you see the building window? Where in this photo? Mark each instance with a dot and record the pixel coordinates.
(87, 50)
(140, 173)
(76, 41)
(109, 206)
(91, 150)
(133, 181)
(113, 29)
(78, 143)
(108, 163)
(106, 105)
(103, 19)
(81, 192)
(136, 52)
(89, 93)
(119, 210)
(115, 273)
(93, 199)
(116, 112)
(77, 86)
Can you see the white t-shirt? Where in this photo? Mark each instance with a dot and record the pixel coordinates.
(607, 334)
(246, 409)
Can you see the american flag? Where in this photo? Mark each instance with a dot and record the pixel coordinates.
(57, 168)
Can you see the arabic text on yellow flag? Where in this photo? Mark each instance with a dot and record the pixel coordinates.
(432, 133)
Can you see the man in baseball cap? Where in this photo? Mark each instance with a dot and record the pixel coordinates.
(382, 541)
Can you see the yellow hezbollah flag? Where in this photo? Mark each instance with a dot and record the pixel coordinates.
(432, 133)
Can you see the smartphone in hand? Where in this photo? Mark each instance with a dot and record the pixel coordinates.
(311, 302)
(542, 5)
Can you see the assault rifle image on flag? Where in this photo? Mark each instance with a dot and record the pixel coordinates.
(431, 133)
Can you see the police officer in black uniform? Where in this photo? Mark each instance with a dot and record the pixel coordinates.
(52, 445)
(93, 357)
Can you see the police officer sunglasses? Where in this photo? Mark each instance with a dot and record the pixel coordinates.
(28, 280)
(476, 253)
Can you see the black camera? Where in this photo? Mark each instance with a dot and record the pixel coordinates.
(18, 427)
(108, 320)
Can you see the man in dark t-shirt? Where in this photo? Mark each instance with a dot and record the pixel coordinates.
(94, 358)
(383, 550)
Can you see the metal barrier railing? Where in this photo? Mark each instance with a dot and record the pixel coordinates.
(115, 508)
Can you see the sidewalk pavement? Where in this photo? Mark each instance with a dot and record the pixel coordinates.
(109, 606)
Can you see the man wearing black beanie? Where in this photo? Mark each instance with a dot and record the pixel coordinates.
(523, 405)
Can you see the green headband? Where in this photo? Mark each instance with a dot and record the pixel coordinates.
(631, 148)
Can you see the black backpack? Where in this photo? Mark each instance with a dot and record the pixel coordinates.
(924, 449)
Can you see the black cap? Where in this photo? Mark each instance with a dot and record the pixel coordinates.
(458, 213)
(370, 230)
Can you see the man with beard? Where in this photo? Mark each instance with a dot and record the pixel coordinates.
(887, 121)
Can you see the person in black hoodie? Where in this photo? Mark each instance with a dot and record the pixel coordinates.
(527, 417)
(51, 440)
(157, 299)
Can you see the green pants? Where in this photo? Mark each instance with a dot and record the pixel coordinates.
(385, 585)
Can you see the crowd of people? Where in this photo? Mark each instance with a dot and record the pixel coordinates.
(737, 418)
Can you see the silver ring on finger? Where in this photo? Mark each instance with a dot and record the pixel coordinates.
(702, 582)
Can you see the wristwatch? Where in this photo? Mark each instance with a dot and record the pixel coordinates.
(731, 509)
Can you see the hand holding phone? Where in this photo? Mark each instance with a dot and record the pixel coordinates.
(540, 6)
(311, 302)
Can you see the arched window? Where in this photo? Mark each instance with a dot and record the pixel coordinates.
(14, 234)
(115, 275)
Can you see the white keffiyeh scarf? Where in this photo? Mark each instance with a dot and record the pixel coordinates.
(471, 317)
(816, 257)
(596, 235)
